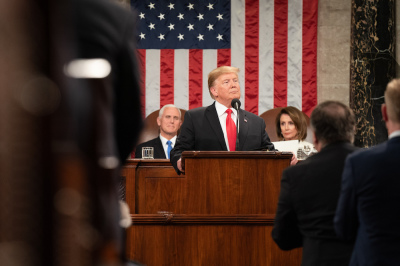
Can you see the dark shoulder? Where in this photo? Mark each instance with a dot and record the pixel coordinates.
(149, 142)
(366, 154)
(196, 112)
(254, 118)
(251, 115)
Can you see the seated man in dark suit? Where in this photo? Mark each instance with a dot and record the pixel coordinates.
(169, 120)
(310, 191)
(368, 209)
(213, 128)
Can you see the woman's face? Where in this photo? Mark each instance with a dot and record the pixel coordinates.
(289, 130)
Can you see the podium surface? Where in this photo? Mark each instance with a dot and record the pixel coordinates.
(220, 212)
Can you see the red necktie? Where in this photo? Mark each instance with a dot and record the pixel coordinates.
(230, 131)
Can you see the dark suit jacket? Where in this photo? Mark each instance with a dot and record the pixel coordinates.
(201, 131)
(369, 204)
(307, 204)
(156, 144)
(104, 29)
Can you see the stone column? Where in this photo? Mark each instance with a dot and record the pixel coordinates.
(372, 66)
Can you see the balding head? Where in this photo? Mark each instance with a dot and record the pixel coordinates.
(392, 100)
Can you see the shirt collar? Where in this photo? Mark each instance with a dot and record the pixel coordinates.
(164, 140)
(395, 134)
(221, 109)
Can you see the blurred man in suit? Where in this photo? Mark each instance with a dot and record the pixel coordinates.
(208, 128)
(310, 191)
(169, 120)
(368, 208)
(105, 30)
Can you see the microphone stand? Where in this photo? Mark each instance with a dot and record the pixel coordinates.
(237, 126)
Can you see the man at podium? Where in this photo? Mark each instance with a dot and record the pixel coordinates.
(214, 128)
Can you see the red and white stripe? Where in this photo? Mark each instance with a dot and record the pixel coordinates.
(273, 43)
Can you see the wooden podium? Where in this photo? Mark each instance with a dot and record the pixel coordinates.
(220, 212)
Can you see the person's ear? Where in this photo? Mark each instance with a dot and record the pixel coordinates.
(317, 144)
(214, 91)
(384, 112)
(158, 121)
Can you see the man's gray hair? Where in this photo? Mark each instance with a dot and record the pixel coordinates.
(167, 106)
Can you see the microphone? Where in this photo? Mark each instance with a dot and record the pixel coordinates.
(236, 105)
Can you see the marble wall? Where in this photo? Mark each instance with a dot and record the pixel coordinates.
(334, 31)
(356, 59)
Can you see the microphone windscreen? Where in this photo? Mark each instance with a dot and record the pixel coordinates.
(236, 103)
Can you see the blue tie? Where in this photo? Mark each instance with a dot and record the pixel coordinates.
(169, 147)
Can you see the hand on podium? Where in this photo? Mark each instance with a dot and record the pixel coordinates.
(179, 164)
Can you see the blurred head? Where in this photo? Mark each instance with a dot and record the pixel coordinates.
(169, 121)
(332, 121)
(392, 100)
(223, 84)
(291, 124)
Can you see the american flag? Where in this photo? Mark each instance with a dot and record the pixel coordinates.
(272, 42)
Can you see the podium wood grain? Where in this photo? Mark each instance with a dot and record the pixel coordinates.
(219, 213)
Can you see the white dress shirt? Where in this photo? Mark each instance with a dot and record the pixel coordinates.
(221, 111)
(165, 145)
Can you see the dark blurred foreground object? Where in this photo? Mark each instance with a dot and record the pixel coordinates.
(63, 139)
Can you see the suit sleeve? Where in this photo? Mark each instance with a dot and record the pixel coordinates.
(346, 220)
(286, 232)
(184, 142)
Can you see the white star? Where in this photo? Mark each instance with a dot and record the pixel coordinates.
(151, 6)
(219, 37)
(161, 16)
(219, 17)
(200, 37)
(180, 37)
(210, 6)
(180, 16)
(200, 16)
(152, 26)
(190, 6)
(161, 37)
(190, 27)
(171, 6)
(210, 27)
(171, 26)
(142, 36)
(141, 15)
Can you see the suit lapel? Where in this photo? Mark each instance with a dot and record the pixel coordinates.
(212, 117)
(243, 128)
(160, 149)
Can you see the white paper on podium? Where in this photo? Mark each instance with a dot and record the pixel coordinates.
(288, 145)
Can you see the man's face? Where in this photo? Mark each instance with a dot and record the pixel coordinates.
(226, 88)
(169, 122)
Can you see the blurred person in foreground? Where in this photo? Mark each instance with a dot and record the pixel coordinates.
(310, 191)
(169, 120)
(213, 128)
(368, 209)
(105, 30)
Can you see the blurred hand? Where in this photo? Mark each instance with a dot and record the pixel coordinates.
(179, 164)
(294, 160)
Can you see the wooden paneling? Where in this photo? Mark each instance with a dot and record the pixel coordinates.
(219, 213)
